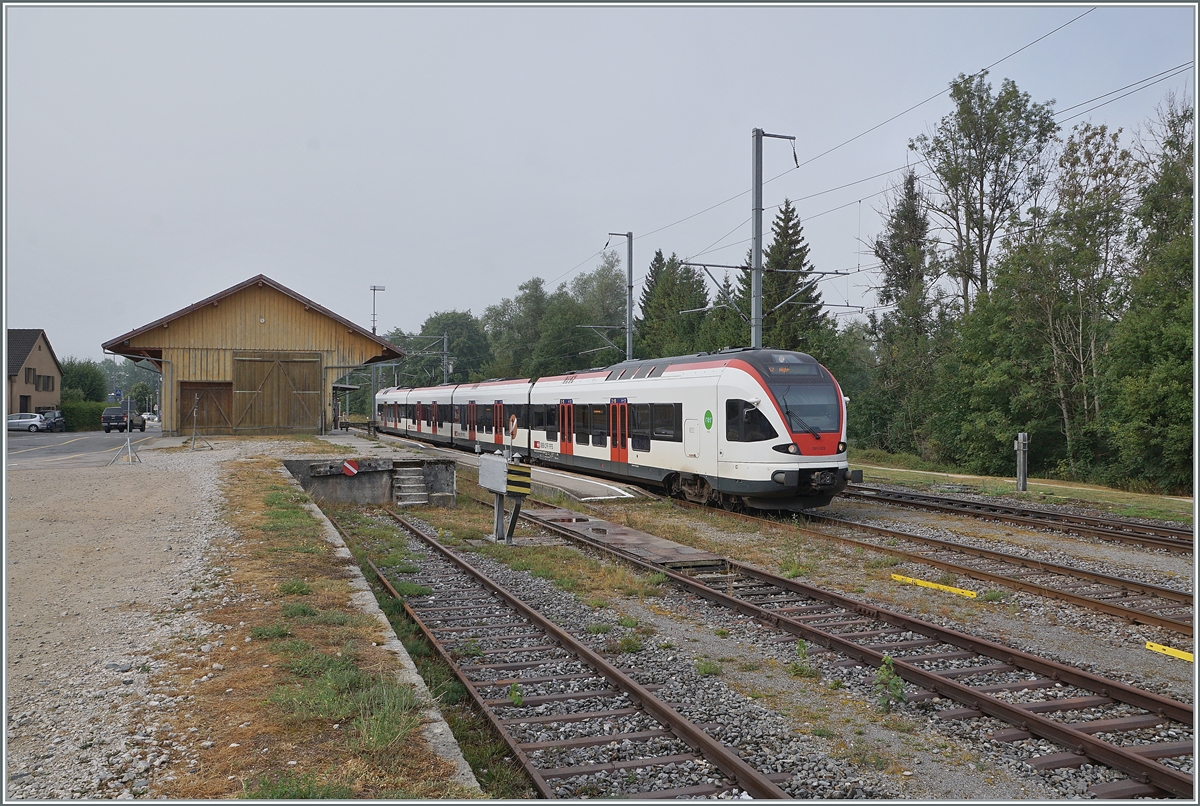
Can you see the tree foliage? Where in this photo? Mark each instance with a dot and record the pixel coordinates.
(670, 288)
(985, 159)
(85, 376)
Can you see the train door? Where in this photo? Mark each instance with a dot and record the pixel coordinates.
(471, 421)
(618, 429)
(498, 422)
(433, 420)
(566, 425)
(420, 414)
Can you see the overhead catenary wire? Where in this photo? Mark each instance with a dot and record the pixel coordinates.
(828, 151)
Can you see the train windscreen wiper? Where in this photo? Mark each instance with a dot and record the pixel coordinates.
(791, 414)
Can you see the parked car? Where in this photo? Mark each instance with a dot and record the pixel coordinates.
(55, 420)
(120, 417)
(26, 422)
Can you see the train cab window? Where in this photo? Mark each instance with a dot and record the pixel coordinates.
(612, 376)
(745, 423)
(658, 370)
(666, 420)
(642, 372)
(639, 427)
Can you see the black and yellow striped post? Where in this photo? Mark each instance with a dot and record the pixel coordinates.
(519, 483)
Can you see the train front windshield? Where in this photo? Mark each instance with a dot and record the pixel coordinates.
(805, 392)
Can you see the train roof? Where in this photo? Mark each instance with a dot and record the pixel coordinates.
(754, 355)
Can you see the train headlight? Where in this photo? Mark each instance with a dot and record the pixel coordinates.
(841, 447)
(788, 448)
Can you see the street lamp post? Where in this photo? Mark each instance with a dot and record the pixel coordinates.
(374, 369)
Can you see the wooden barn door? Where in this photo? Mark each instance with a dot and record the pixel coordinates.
(276, 393)
(210, 405)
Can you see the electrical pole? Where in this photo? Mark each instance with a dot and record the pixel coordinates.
(374, 368)
(756, 312)
(445, 357)
(628, 297)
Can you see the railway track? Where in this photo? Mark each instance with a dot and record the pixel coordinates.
(1129, 599)
(560, 706)
(1094, 719)
(1169, 538)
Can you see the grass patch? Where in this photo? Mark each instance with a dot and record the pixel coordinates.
(883, 562)
(630, 644)
(803, 670)
(721, 632)
(598, 628)
(295, 587)
(707, 668)
(824, 733)
(290, 786)
(298, 609)
(627, 621)
(406, 589)
(993, 596)
(265, 632)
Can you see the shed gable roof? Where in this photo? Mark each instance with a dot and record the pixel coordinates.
(117, 345)
(21, 342)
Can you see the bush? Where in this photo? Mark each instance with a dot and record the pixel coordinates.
(82, 415)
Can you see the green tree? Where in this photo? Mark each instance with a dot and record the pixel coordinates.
(513, 327)
(468, 348)
(1065, 276)
(86, 376)
(1150, 360)
(725, 324)
(985, 159)
(670, 288)
(142, 395)
(895, 406)
(794, 317)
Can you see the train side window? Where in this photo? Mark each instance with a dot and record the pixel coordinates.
(745, 423)
(667, 421)
(582, 425)
(658, 370)
(639, 426)
(600, 425)
(537, 417)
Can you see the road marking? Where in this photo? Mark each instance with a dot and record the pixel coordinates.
(40, 447)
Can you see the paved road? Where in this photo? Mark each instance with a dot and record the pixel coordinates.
(28, 451)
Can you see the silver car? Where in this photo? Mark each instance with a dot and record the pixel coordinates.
(26, 422)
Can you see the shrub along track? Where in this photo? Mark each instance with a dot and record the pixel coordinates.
(1036, 696)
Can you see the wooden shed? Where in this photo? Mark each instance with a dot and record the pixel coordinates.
(256, 358)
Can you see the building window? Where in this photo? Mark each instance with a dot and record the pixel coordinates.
(30, 374)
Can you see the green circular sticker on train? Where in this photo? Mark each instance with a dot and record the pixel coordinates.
(708, 420)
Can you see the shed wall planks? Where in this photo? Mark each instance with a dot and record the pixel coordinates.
(199, 347)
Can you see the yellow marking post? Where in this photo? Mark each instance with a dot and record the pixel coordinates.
(519, 480)
(934, 585)
(1166, 650)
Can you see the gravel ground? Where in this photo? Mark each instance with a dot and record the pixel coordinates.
(106, 567)
(95, 593)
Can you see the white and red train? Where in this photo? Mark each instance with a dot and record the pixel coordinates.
(742, 427)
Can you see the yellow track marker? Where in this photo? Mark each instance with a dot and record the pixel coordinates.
(1166, 650)
(934, 585)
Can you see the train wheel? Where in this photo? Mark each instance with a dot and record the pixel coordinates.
(732, 503)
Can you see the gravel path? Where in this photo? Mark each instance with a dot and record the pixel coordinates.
(92, 592)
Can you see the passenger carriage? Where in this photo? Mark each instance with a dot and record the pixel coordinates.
(759, 428)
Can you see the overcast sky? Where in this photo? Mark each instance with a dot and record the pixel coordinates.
(157, 155)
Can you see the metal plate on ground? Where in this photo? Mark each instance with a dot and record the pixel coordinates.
(652, 549)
